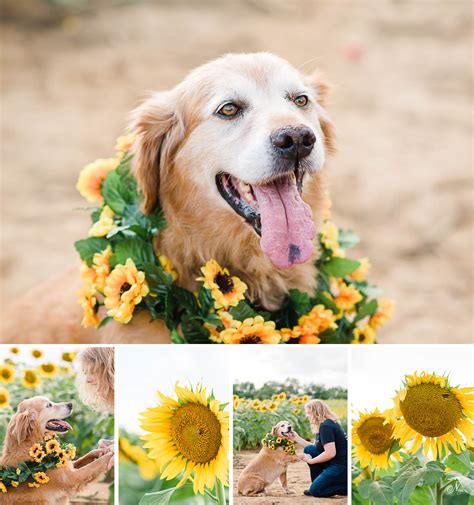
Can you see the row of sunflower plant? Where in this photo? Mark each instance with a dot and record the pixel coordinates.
(420, 451)
(122, 274)
(24, 374)
(254, 418)
(183, 455)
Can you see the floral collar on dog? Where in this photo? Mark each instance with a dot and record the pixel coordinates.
(273, 442)
(122, 272)
(50, 453)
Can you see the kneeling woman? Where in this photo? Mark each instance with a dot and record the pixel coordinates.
(327, 457)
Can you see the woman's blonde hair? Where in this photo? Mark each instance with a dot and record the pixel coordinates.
(317, 412)
(98, 362)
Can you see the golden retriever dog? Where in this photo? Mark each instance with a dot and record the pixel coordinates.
(32, 420)
(234, 155)
(267, 466)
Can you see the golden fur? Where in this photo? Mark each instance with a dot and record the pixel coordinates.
(26, 428)
(266, 467)
(168, 166)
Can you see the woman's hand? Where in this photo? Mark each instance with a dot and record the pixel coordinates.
(307, 459)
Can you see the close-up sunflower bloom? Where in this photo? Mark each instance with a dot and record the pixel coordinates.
(104, 224)
(91, 178)
(4, 398)
(373, 439)
(7, 374)
(48, 370)
(125, 288)
(31, 379)
(226, 290)
(254, 330)
(432, 414)
(189, 436)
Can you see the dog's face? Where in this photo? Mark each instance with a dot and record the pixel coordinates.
(282, 429)
(39, 413)
(248, 130)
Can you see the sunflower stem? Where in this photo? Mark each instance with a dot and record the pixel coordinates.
(220, 492)
(439, 494)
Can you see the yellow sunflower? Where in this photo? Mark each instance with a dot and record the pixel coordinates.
(296, 411)
(227, 321)
(125, 288)
(311, 325)
(330, 236)
(52, 446)
(254, 330)
(31, 379)
(4, 398)
(91, 178)
(384, 313)
(97, 274)
(373, 439)
(68, 356)
(434, 414)
(364, 335)
(226, 290)
(3, 488)
(360, 273)
(88, 301)
(148, 468)
(15, 350)
(37, 353)
(37, 453)
(104, 224)
(165, 262)
(347, 296)
(124, 144)
(48, 370)
(41, 478)
(7, 374)
(189, 434)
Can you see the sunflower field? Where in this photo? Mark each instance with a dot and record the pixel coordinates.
(25, 373)
(254, 418)
(420, 451)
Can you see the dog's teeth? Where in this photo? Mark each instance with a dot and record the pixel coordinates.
(244, 187)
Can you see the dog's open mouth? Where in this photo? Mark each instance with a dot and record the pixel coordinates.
(276, 212)
(58, 426)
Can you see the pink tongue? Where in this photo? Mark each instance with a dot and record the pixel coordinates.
(287, 224)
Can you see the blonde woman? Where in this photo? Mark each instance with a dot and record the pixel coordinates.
(327, 457)
(96, 384)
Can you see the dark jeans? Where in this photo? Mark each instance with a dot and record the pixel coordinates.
(328, 479)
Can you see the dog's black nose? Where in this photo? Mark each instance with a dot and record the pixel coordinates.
(293, 142)
(69, 405)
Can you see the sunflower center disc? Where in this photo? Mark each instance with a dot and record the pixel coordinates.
(431, 410)
(196, 432)
(30, 377)
(375, 435)
(225, 283)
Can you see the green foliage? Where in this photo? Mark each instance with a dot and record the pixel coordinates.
(292, 387)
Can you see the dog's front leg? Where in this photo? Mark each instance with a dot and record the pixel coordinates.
(284, 483)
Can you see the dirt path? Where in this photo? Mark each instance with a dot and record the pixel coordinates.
(401, 104)
(298, 481)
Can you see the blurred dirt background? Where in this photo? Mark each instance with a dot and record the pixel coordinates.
(402, 104)
(298, 481)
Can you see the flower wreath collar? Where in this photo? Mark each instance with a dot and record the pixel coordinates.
(273, 442)
(50, 453)
(123, 273)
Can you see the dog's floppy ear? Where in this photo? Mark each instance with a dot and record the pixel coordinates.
(22, 424)
(159, 129)
(322, 90)
(274, 431)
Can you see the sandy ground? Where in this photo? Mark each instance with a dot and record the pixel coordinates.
(298, 481)
(402, 76)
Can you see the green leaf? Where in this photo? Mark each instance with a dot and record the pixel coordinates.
(380, 492)
(300, 301)
(466, 482)
(158, 280)
(90, 246)
(118, 191)
(159, 498)
(421, 496)
(242, 311)
(140, 251)
(194, 331)
(459, 462)
(339, 267)
(366, 309)
(347, 239)
(176, 338)
(105, 321)
(186, 299)
(412, 476)
(434, 471)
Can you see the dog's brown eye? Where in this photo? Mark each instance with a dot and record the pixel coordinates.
(229, 110)
(301, 101)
